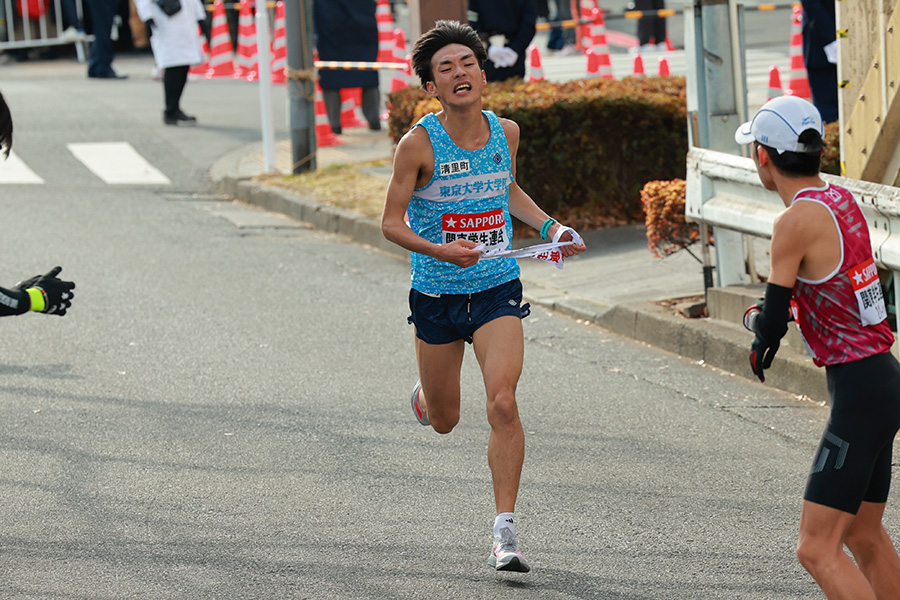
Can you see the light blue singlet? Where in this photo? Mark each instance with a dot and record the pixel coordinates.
(467, 197)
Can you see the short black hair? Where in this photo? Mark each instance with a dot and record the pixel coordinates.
(6, 127)
(444, 33)
(799, 164)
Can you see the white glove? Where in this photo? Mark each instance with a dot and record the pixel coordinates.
(495, 54)
(831, 52)
(575, 237)
(511, 56)
(502, 56)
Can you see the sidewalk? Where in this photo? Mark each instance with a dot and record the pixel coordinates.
(616, 284)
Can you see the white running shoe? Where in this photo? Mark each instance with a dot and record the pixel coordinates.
(505, 556)
(421, 417)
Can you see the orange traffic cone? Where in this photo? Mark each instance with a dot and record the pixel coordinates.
(669, 45)
(775, 89)
(385, 21)
(584, 31)
(203, 67)
(400, 79)
(798, 81)
(324, 135)
(638, 69)
(247, 62)
(279, 45)
(664, 67)
(221, 55)
(599, 45)
(535, 70)
(351, 106)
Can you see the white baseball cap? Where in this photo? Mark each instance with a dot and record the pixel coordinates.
(779, 123)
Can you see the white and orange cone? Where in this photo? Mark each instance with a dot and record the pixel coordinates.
(599, 45)
(351, 107)
(664, 67)
(324, 135)
(400, 79)
(535, 70)
(247, 63)
(221, 53)
(798, 81)
(385, 21)
(775, 89)
(638, 68)
(279, 45)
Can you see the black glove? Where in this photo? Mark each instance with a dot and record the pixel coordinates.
(149, 24)
(48, 293)
(761, 355)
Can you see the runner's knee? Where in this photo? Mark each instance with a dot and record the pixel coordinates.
(444, 423)
(814, 554)
(502, 408)
(866, 542)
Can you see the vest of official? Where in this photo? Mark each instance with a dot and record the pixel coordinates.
(468, 198)
(842, 317)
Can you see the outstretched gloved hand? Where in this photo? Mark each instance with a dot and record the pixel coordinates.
(48, 293)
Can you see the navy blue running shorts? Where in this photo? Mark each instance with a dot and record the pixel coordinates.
(853, 462)
(450, 317)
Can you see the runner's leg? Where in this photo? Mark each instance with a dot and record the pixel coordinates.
(821, 552)
(874, 551)
(499, 347)
(439, 367)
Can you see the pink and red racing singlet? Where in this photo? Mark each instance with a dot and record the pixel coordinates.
(842, 317)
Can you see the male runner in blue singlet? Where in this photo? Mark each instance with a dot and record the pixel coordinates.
(42, 293)
(454, 174)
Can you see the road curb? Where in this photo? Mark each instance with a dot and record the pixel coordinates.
(716, 343)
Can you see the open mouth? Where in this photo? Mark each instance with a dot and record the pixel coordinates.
(462, 87)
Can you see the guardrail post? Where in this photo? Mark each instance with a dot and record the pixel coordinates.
(731, 267)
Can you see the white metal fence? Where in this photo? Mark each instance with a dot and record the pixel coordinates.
(724, 191)
(26, 24)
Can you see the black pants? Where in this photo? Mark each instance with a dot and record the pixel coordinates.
(371, 101)
(651, 28)
(174, 80)
(824, 87)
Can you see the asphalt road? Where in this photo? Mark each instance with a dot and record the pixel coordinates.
(223, 414)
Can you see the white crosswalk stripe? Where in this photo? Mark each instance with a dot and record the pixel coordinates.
(117, 163)
(14, 170)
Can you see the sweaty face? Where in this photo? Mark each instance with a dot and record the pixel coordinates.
(456, 74)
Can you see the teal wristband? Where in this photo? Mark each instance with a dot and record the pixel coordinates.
(545, 228)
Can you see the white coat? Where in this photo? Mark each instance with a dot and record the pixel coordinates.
(175, 40)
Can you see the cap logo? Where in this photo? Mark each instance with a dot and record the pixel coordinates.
(807, 121)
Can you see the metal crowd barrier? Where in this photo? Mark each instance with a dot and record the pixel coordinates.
(724, 191)
(21, 28)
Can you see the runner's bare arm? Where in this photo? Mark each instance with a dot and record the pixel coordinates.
(410, 160)
(521, 205)
(790, 241)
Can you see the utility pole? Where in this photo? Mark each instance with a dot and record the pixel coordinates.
(301, 84)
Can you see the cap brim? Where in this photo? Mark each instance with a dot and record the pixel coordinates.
(742, 135)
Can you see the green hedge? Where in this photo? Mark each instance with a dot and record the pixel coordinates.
(587, 146)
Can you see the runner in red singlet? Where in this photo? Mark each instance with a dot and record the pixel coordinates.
(824, 274)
